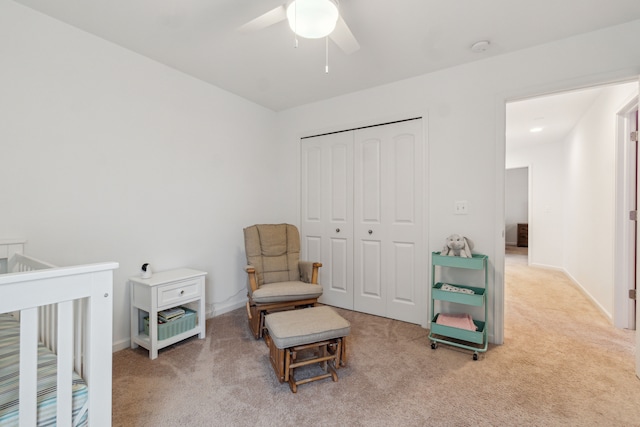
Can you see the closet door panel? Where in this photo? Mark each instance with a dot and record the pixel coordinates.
(339, 281)
(369, 281)
(402, 289)
(371, 257)
(369, 294)
(339, 227)
(368, 189)
(341, 180)
(312, 247)
(404, 173)
(327, 212)
(388, 210)
(312, 188)
(313, 184)
(405, 223)
(340, 206)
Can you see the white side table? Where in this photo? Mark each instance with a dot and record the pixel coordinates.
(165, 290)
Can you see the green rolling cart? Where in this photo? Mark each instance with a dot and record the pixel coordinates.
(461, 294)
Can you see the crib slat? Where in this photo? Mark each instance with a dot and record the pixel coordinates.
(28, 366)
(65, 353)
(79, 320)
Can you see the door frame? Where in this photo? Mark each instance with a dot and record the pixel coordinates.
(624, 315)
(497, 307)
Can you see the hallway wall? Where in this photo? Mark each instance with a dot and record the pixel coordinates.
(589, 220)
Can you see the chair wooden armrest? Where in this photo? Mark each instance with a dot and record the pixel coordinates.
(251, 271)
(314, 275)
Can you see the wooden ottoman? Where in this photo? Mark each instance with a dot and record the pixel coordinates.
(303, 337)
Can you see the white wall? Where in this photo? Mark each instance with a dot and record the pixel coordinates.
(589, 231)
(108, 156)
(464, 111)
(516, 200)
(111, 156)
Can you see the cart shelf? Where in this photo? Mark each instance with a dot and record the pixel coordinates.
(477, 298)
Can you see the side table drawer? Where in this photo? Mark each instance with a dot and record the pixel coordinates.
(178, 293)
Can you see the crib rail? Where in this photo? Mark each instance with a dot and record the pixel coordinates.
(20, 263)
(48, 314)
(77, 301)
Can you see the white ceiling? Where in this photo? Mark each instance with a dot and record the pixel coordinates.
(398, 38)
(556, 114)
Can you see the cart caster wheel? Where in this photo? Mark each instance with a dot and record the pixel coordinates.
(434, 345)
(475, 356)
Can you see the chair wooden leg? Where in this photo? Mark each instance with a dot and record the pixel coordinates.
(261, 327)
(343, 352)
(254, 320)
(327, 354)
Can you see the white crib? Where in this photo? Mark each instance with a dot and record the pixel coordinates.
(69, 311)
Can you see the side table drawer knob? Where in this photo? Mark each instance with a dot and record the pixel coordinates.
(178, 293)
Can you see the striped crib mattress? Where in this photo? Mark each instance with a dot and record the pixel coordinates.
(47, 378)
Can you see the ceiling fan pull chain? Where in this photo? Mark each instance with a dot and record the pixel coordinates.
(295, 26)
(326, 65)
(326, 57)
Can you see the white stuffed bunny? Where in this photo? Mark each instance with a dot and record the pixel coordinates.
(457, 245)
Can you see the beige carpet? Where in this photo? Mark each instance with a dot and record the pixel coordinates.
(562, 364)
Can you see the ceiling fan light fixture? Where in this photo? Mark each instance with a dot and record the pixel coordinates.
(312, 19)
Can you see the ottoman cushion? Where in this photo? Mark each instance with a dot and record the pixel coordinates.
(305, 326)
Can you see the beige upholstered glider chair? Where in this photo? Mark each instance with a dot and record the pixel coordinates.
(277, 280)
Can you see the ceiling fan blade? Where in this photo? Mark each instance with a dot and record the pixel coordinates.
(343, 37)
(263, 21)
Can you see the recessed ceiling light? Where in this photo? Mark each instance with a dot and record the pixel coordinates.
(535, 129)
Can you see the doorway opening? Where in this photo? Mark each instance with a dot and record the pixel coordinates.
(517, 212)
(568, 143)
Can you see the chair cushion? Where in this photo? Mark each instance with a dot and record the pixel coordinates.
(305, 326)
(273, 239)
(274, 251)
(285, 291)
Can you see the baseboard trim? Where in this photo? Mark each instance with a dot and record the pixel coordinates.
(121, 345)
(589, 296)
(217, 311)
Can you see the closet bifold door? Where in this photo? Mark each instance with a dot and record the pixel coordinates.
(327, 213)
(388, 221)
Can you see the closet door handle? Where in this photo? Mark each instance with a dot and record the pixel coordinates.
(337, 230)
(370, 232)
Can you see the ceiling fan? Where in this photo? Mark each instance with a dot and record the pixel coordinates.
(307, 19)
